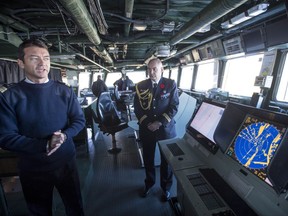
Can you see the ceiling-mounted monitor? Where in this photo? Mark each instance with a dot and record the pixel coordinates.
(277, 33)
(215, 49)
(253, 40)
(195, 55)
(233, 45)
(203, 53)
(188, 58)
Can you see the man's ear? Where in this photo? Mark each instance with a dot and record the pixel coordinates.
(20, 63)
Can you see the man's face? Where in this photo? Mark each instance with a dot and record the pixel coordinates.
(36, 64)
(155, 70)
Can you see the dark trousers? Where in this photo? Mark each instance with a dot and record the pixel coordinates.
(166, 176)
(38, 190)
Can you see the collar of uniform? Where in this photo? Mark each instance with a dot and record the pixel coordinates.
(153, 82)
(31, 82)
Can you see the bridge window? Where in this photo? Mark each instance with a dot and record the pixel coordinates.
(240, 73)
(282, 93)
(95, 76)
(174, 74)
(207, 75)
(166, 73)
(112, 77)
(186, 77)
(137, 76)
(84, 80)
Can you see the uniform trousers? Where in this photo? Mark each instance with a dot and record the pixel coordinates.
(149, 140)
(38, 189)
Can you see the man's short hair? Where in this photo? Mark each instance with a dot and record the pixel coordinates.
(30, 43)
(156, 60)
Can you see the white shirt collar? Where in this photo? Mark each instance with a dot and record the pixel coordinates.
(31, 82)
(154, 82)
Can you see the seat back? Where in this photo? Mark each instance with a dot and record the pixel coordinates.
(187, 105)
(116, 93)
(106, 110)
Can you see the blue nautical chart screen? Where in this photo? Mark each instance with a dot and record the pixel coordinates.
(255, 144)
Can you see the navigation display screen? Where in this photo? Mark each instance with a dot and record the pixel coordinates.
(207, 119)
(255, 144)
(204, 123)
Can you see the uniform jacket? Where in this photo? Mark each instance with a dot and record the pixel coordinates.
(99, 86)
(162, 106)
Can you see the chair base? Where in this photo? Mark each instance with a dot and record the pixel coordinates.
(114, 150)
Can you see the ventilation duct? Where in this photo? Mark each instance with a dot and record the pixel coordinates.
(82, 17)
(209, 14)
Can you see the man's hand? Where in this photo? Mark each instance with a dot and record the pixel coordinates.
(154, 126)
(55, 142)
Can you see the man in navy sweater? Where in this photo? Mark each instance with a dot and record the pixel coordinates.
(39, 117)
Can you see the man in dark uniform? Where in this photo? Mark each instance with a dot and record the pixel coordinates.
(155, 105)
(99, 86)
(124, 83)
(119, 84)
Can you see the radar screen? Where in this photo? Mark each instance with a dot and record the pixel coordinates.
(255, 144)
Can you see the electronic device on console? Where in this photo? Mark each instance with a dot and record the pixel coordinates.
(204, 123)
(258, 140)
(255, 144)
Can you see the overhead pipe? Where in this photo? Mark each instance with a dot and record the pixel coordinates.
(13, 23)
(129, 4)
(215, 10)
(79, 12)
(12, 37)
(91, 61)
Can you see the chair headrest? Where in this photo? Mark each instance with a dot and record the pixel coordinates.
(106, 110)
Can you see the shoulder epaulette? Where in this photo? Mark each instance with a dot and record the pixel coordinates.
(6, 86)
(2, 89)
(141, 82)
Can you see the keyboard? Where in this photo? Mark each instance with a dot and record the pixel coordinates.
(234, 201)
(175, 149)
(205, 191)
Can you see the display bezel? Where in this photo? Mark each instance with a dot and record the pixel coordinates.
(252, 124)
(205, 140)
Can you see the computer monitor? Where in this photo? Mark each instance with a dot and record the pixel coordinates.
(255, 144)
(204, 123)
(253, 40)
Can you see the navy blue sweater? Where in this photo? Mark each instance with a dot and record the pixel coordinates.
(29, 115)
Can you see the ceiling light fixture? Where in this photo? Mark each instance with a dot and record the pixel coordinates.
(168, 27)
(227, 24)
(258, 9)
(139, 27)
(163, 51)
(173, 52)
(205, 29)
(242, 17)
(239, 18)
(81, 67)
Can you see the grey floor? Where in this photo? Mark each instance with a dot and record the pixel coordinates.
(110, 183)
